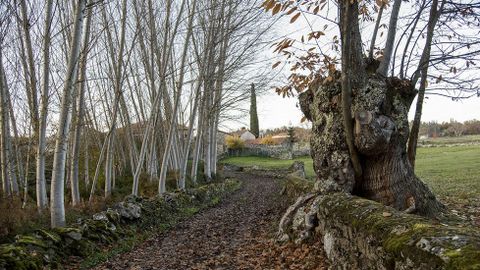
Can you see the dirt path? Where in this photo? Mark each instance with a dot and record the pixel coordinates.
(234, 235)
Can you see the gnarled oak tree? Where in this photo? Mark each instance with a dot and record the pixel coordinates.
(359, 113)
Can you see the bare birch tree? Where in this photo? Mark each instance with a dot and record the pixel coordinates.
(41, 185)
(57, 204)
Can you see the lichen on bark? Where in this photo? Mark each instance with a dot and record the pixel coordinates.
(361, 234)
(380, 110)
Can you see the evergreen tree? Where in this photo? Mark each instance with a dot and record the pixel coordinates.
(254, 128)
(291, 134)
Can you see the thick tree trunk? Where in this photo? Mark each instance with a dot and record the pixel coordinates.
(381, 132)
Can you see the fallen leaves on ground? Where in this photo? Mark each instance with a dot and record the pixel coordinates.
(237, 234)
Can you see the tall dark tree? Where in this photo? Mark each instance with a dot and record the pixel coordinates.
(254, 127)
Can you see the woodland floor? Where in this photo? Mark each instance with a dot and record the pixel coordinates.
(236, 234)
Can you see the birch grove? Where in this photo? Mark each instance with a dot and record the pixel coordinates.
(99, 97)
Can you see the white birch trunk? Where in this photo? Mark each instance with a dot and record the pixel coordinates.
(57, 204)
(172, 130)
(80, 109)
(5, 133)
(118, 93)
(32, 92)
(188, 142)
(16, 153)
(25, 187)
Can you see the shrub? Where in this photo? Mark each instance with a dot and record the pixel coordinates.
(234, 142)
(268, 140)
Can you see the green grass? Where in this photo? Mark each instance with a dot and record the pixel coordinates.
(450, 171)
(468, 139)
(270, 163)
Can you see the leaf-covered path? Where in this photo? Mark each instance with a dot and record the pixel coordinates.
(236, 234)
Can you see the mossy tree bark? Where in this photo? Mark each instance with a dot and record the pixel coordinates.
(380, 110)
(365, 154)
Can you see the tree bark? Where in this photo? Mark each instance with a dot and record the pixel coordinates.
(198, 142)
(79, 118)
(4, 132)
(375, 31)
(349, 16)
(16, 153)
(188, 142)
(8, 141)
(381, 132)
(356, 63)
(57, 203)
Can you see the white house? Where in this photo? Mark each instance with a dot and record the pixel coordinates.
(247, 136)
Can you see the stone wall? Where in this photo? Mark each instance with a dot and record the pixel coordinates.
(47, 248)
(356, 233)
(282, 151)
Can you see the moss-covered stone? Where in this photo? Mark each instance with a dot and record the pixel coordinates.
(17, 257)
(29, 240)
(363, 234)
(50, 235)
(48, 247)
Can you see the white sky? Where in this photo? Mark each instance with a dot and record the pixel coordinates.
(275, 111)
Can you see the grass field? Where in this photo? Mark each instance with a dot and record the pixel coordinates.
(450, 171)
(270, 163)
(468, 139)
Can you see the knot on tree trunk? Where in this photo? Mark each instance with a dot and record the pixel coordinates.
(372, 132)
(305, 99)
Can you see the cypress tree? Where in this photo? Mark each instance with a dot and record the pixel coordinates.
(254, 128)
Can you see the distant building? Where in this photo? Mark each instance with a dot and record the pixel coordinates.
(282, 135)
(244, 134)
(247, 136)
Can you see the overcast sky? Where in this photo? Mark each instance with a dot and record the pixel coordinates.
(275, 111)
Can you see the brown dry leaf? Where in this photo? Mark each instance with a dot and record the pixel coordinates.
(294, 18)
